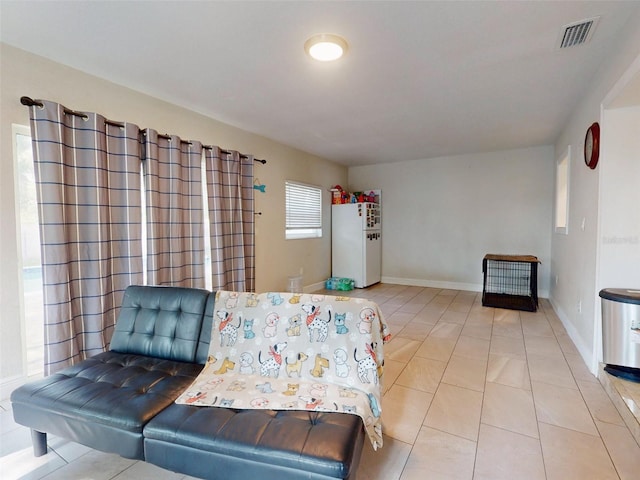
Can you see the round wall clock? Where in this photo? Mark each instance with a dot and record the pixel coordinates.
(592, 146)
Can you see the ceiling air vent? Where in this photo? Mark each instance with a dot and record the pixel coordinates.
(577, 33)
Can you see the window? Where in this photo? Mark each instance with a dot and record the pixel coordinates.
(29, 238)
(208, 277)
(303, 211)
(561, 221)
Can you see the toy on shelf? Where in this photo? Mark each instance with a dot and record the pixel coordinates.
(339, 196)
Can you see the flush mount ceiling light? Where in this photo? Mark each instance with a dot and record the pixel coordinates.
(325, 47)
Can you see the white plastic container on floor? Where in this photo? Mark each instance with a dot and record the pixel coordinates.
(294, 284)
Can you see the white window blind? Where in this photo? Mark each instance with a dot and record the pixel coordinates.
(303, 211)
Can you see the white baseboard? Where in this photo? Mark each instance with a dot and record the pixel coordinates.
(471, 287)
(585, 350)
(314, 287)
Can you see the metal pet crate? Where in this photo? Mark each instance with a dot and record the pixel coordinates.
(510, 281)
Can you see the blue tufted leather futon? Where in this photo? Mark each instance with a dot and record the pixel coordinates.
(122, 401)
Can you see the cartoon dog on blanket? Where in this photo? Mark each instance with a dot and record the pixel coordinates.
(315, 323)
(271, 366)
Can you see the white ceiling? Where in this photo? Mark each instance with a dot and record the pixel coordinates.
(420, 80)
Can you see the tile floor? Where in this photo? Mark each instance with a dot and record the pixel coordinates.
(625, 395)
(470, 393)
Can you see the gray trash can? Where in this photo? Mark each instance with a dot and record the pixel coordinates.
(621, 332)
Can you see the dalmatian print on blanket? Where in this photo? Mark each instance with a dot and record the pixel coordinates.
(305, 352)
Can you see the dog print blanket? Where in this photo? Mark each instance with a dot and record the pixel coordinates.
(286, 351)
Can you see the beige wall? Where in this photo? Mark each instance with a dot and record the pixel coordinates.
(619, 225)
(440, 216)
(276, 258)
(574, 257)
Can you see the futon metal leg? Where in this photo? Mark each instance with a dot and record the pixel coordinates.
(39, 440)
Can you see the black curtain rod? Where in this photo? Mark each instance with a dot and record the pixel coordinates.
(29, 102)
(227, 152)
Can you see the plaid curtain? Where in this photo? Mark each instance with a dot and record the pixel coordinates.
(91, 213)
(231, 215)
(88, 189)
(175, 225)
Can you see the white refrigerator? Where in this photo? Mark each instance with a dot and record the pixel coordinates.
(356, 242)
